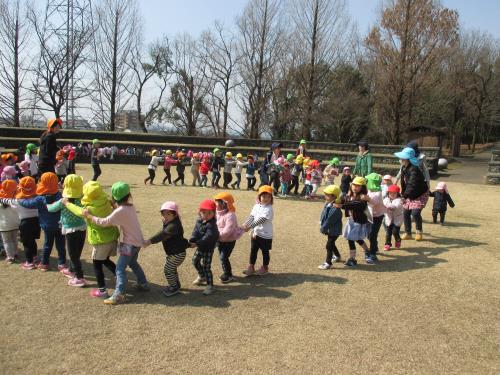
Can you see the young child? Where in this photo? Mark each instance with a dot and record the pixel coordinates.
(358, 226)
(229, 163)
(251, 168)
(331, 171)
(316, 177)
(168, 161)
(9, 173)
(307, 181)
(296, 172)
(29, 227)
(229, 232)
(386, 182)
(240, 164)
(61, 166)
(131, 240)
(24, 166)
(153, 164)
(285, 179)
(261, 223)
(9, 221)
(377, 211)
(180, 167)
(95, 155)
(217, 163)
(174, 244)
(204, 238)
(195, 169)
(441, 200)
(74, 228)
(331, 224)
(32, 157)
(204, 169)
(345, 181)
(102, 239)
(393, 216)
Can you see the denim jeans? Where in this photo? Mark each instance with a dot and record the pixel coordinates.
(121, 268)
(52, 236)
(225, 250)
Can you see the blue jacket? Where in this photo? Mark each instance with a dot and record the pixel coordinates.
(205, 235)
(331, 221)
(48, 220)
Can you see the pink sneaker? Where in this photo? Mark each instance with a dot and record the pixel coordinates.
(250, 270)
(27, 266)
(263, 270)
(398, 244)
(98, 294)
(66, 272)
(61, 268)
(43, 267)
(387, 247)
(77, 282)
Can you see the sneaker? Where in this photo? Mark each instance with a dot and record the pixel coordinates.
(115, 299)
(61, 268)
(170, 291)
(66, 272)
(77, 282)
(369, 260)
(209, 289)
(199, 281)
(325, 266)
(250, 270)
(374, 257)
(418, 236)
(387, 247)
(398, 244)
(336, 259)
(263, 270)
(407, 236)
(142, 287)
(99, 293)
(351, 262)
(27, 266)
(10, 260)
(226, 279)
(43, 267)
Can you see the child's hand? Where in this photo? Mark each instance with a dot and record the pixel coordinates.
(192, 244)
(337, 205)
(64, 201)
(86, 213)
(146, 243)
(365, 198)
(254, 236)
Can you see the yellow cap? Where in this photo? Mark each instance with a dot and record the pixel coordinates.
(73, 186)
(154, 152)
(333, 190)
(359, 181)
(229, 154)
(265, 189)
(238, 155)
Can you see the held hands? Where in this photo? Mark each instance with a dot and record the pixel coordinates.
(64, 201)
(86, 214)
(192, 244)
(146, 243)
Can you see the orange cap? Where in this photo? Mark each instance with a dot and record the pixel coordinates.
(266, 189)
(48, 184)
(8, 189)
(54, 121)
(26, 188)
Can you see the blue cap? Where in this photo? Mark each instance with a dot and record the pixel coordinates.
(407, 154)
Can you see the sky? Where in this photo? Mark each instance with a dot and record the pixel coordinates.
(171, 17)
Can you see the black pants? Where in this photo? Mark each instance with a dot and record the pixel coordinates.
(225, 250)
(417, 217)
(228, 177)
(262, 244)
(389, 232)
(97, 171)
(215, 178)
(60, 178)
(238, 181)
(352, 244)
(167, 177)
(74, 243)
(99, 273)
(251, 181)
(442, 214)
(294, 185)
(29, 230)
(377, 223)
(331, 249)
(180, 177)
(203, 180)
(275, 182)
(71, 169)
(152, 175)
(43, 168)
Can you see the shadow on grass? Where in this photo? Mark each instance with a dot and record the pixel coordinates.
(455, 224)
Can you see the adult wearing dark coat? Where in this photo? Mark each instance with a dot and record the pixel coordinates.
(48, 146)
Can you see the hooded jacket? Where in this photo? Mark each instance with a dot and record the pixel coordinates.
(227, 224)
(171, 237)
(413, 183)
(205, 235)
(441, 200)
(394, 212)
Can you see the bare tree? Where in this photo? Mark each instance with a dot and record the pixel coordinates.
(14, 29)
(114, 43)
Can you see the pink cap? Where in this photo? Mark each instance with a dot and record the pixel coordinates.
(387, 177)
(170, 206)
(441, 186)
(347, 169)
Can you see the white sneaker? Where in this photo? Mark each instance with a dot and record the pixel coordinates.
(199, 281)
(335, 259)
(325, 266)
(209, 289)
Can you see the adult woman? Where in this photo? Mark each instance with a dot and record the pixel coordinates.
(414, 190)
(422, 159)
(364, 161)
(48, 146)
(271, 167)
(302, 148)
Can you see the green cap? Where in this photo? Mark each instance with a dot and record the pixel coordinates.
(334, 161)
(95, 141)
(30, 147)
(290, 156)
(303, 142)
(373, 181)
(120, 190)
(216, 150)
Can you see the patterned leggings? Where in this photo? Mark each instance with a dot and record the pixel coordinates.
(170, 269)
(202, 262)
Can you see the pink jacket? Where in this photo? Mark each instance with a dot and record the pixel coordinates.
(126, 218)
(228, 226)
(376, 204)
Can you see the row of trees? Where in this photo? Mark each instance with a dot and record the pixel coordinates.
(285, 69)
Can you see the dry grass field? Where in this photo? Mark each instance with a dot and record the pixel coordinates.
(429, 308)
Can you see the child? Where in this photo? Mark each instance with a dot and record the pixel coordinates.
(251, 168)
(331, 225)
(73, 228)
(285, 178)
(61, 165)
(377, 211)
(24, 166)
(331, 171)
(307, 181)
(94, 159)
(441, 200)
(217, 162)
(174, 245)
(131, 240)
(358, 226)
(195, 169)
(9, 173)
(153, 164)
(229, 232)
(386, 182)
(9, 221)
(167, 163)
(393, 216)
(180, 167)
(345, 181)
(240, 164)
(204, 238)
(102, 239)
(296, 172)
(204, 169)
(261, 221)
(229, 163)
(32, 157)
(316, 178)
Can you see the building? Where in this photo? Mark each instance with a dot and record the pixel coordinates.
(127, 120)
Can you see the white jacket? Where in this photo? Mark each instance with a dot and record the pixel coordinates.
(394, 214)
(9, 219)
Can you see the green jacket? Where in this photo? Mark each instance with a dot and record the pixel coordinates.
(68, 219)
(364, 164)
(97, 202)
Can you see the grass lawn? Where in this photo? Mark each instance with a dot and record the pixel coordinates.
(430, 307)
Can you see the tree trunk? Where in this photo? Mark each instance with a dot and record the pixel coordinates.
(114, 75)
(306, 129)
(142, 121)
(16, 74)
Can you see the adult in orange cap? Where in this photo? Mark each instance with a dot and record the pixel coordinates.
(48, 146)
